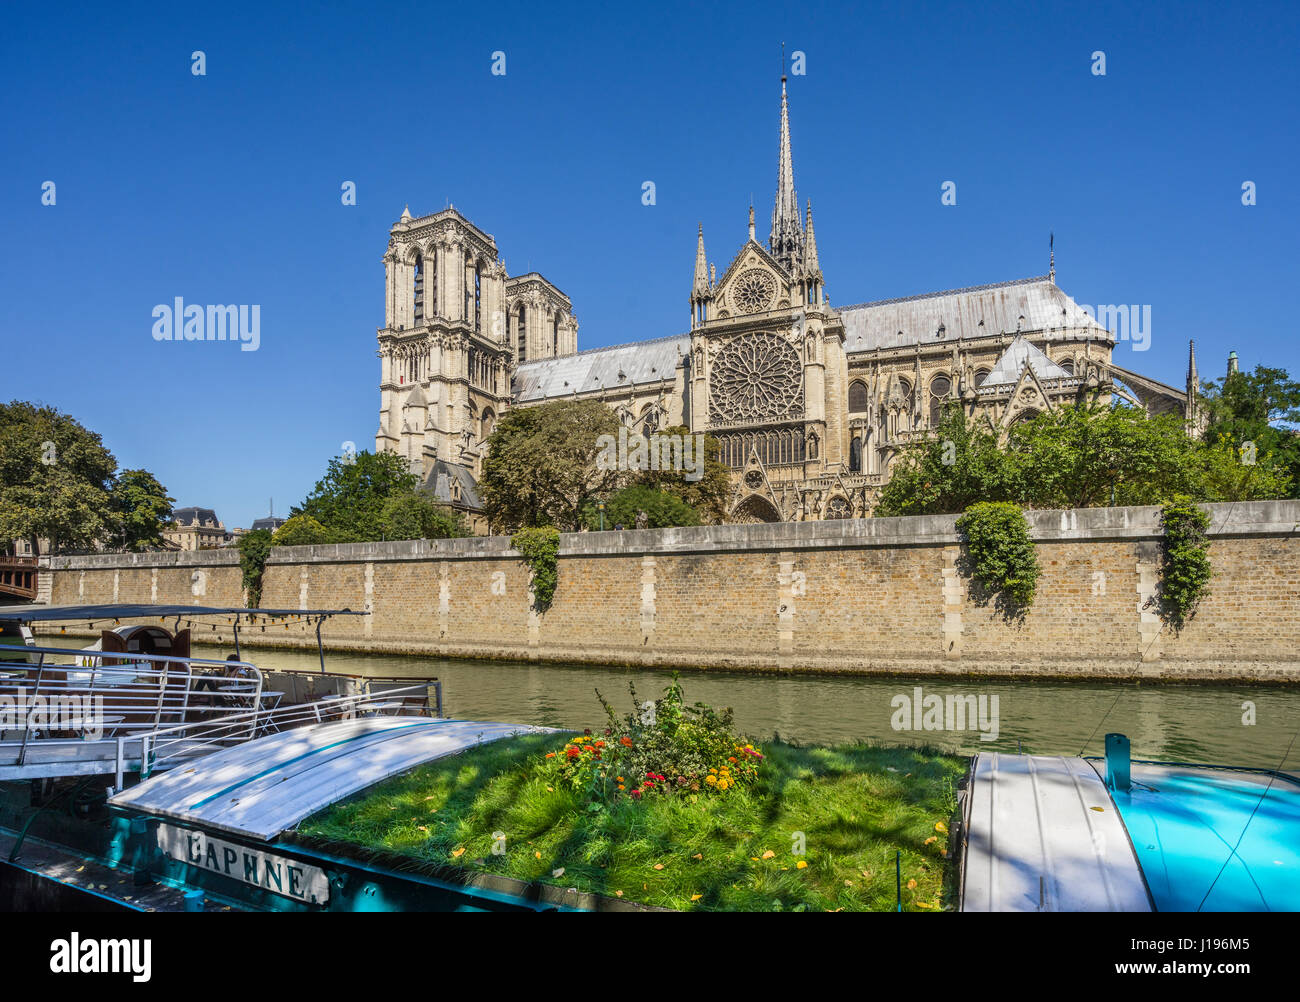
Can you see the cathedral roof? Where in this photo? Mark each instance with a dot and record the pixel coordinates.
(1012, 363)
(612, 368)
(1029, 304)
(438, 483)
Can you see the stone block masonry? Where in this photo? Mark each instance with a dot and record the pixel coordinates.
(867, 596)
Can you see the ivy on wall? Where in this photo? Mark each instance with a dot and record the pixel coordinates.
(254, 548)
(1000, 554)
(540, 548)
(1185, 565)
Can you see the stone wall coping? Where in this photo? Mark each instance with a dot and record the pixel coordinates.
(147, 559)
(1228, 519)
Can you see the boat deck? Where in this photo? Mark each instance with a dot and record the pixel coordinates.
(261, 788)
(1044, 835)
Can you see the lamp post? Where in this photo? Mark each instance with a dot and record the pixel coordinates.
(600, 507)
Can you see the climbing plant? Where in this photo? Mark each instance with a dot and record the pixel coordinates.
(1185, 565)
(539, 548)
(1001, 555)
(254, 548)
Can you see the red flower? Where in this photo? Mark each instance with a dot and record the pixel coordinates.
(600, 744)
(572, 753)
(636, 794)
(626, 741)
(587, 732)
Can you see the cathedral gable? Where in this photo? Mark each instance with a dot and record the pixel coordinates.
(753, 283)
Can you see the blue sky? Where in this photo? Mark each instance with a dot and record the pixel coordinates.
(225, 188)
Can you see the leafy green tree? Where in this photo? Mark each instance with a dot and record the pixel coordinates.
(1229, 473)
(55, 478)
(1257, 411)
(708, 496)
(302, 530)
(1094, 455)
(956, 466)
(416, 516)
(662, 508)
(140, 506)
(349, 500)
(543, 465)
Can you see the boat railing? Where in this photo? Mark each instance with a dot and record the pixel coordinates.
(166, 746)
(49, 693)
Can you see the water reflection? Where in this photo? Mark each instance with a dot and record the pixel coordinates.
(1177, 722)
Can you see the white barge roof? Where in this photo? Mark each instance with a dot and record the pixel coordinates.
(264, 787)
(1044, 835)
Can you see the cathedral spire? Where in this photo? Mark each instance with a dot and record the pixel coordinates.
(701, 286)
(786, 240)
(811, 267)
(1051, 258)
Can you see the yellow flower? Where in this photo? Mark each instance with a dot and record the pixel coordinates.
(711, 780)
(801, 864)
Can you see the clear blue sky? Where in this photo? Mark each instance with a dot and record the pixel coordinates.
(225, 188)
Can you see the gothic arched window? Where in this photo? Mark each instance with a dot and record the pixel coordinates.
(855, 456)
(418, 291)
(980, 376)
(555, 334)
(521, 329)
(857, 397)
(940, 387)
(1067, 364)
(478, 298)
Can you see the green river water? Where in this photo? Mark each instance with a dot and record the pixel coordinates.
(1190, 723)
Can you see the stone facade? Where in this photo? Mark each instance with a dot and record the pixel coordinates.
(872, 595)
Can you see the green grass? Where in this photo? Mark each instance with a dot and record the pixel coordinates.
(855, 805)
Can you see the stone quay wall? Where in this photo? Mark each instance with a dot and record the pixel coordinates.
(881, 595)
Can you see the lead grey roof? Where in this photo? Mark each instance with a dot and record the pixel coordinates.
(438, 483)
(1020, 351)
(596, 368)
(978, 311)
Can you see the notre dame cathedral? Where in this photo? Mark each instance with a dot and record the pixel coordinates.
(811, 403)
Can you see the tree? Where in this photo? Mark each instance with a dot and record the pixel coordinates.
(708, 496)
(140, 505)
(349, 500)
(662, 508)
(1229, 473)
(958, 465)
(542, 465)
(55, 478)
(1257, 411)
(302, 530)
(1090, 455)
(416, 516)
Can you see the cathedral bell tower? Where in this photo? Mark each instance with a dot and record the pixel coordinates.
(444, 350)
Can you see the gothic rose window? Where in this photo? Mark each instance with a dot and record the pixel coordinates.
(838, 507)
(753, 290)
(755, 377)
